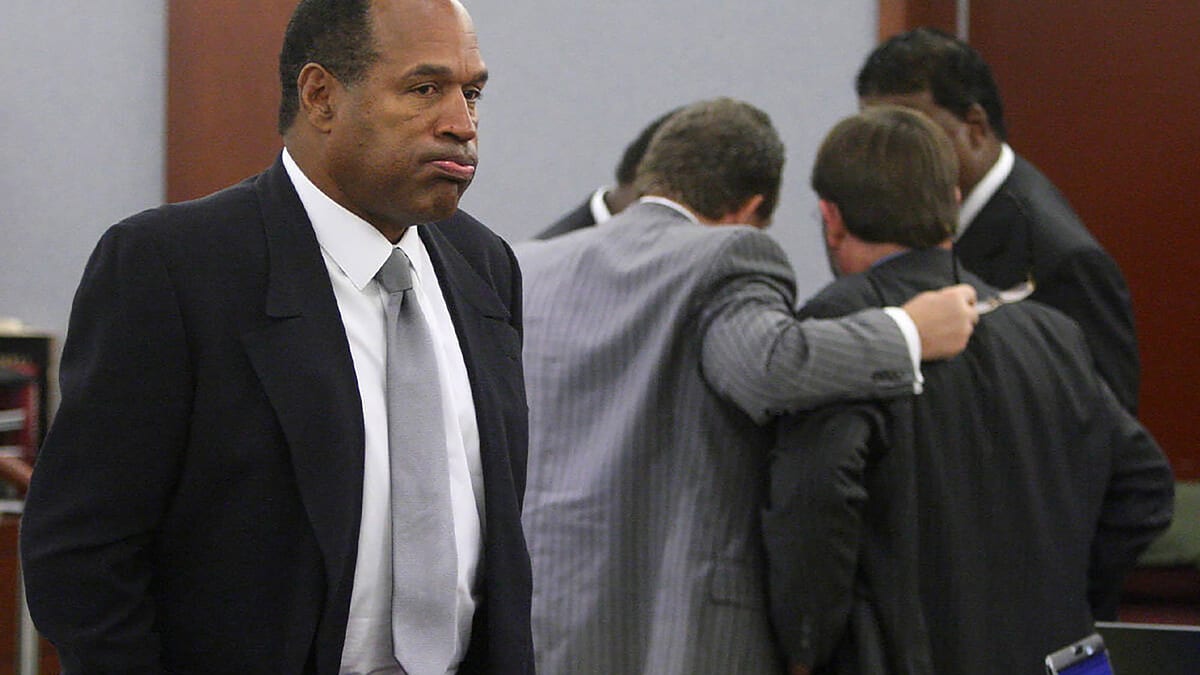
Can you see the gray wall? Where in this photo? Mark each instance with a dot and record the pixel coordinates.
(573, 82)
(81, 132)
(82, 126)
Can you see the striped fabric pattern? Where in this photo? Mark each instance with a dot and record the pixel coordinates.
(656, 352)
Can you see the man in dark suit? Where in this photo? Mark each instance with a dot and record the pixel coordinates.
(1014, 224)
(607, 202)
(983, 524)
(213, 496)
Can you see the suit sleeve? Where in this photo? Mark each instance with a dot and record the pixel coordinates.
(759, 355)
(813, 526)
(1089, 288)
(1138, 506)
(107, 468)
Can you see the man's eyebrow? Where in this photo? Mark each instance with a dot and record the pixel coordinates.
(432, 70)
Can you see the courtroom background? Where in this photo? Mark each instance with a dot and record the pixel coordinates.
(115, 105)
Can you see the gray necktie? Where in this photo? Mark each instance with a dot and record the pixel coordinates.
(424, 558)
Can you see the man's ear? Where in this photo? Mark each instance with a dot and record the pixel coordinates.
(979, 128)
(832, 223)
(318, 89)
(746, 214)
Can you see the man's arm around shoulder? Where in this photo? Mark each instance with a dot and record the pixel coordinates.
(759, 355)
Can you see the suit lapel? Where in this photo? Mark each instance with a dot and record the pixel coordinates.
(491, 349)
(477, 314)
(304, 363)
(987, 234)
(459, 280)
(997, 244)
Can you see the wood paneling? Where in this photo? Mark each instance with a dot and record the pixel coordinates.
(222, 91)
(1103, 97)
(897, 16)
(48, 659)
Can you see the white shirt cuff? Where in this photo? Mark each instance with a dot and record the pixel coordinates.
(599, 207)
(911, 338)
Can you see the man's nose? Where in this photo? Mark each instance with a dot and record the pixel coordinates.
(458, 118)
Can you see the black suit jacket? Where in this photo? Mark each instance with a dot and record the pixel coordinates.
(196, 505)
(973, 528)
(576, 219)
(1028, 227)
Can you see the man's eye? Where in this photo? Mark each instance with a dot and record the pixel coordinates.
(473, 95)
(425, 90)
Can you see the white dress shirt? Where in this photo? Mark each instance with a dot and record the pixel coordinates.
(985, 188)
(354, 251)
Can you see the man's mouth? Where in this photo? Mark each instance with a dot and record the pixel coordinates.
(455, 169)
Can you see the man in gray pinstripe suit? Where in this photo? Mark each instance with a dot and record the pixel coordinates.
(657, 349)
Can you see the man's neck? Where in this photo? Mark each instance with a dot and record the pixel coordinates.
(619, 197)
(865, 255)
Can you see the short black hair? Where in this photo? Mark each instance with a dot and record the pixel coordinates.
(333, 33)
(926, 59)
(627, 168)
(714, 155)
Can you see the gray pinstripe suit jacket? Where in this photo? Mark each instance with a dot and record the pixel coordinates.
(656, 350)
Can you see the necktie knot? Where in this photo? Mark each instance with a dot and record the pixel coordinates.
(395, 276)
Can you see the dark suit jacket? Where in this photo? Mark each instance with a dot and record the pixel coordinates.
(1028, 226)
(196, 505)
(577, 219)
(973, 528)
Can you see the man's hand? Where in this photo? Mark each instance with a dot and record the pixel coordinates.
(945, 320)
(798, 669)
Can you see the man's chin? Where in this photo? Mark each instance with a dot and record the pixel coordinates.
(440, 205)
(445, 202)
(442, 210)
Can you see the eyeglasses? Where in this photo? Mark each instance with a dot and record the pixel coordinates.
(1006, 297)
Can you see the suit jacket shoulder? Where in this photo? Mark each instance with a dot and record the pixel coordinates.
(576, 219)
(1028, 229)
(1027, 226)
(891, 282)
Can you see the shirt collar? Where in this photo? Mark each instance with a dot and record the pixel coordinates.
(986, 187)
(353, 244)
(676, 206)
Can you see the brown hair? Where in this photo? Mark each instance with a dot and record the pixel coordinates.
(892, 173)
(714, 155)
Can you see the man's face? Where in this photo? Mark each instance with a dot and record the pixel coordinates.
(958, 130)
(402, 142)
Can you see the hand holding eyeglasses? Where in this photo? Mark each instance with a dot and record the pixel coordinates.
(945, 319)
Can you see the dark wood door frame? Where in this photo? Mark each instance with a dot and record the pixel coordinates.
(222, 91)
